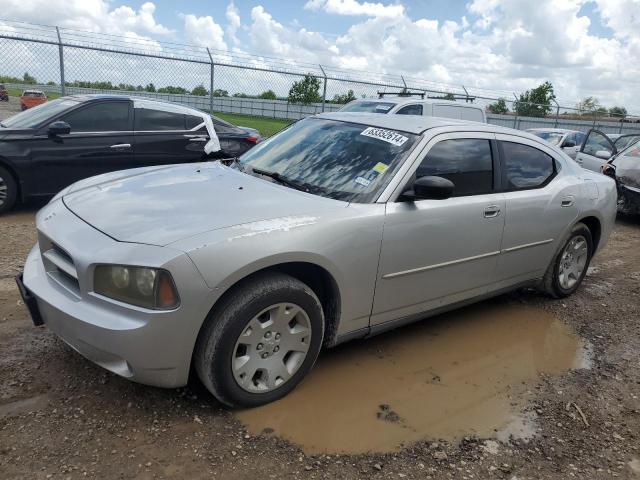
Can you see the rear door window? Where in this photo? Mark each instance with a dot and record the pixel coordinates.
(525, 167)
(410, 110)
(148, 119)
(467, 162)
(100, 117)
(597, 141)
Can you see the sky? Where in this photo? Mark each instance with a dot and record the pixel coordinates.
(583, 47)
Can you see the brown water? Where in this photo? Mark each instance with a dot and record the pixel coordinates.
(463, 373)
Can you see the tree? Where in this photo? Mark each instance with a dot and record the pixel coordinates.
(218, 92)
(536, 102)
(345, 97)
(240, 95)
(26, 78)
(499, 107)
(305, 91)
(200, 91)
(150, 88)
(620, 112)
(172, 90)
(589, 104)
(268, 95)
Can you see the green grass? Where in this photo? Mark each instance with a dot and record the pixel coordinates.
(266, 126)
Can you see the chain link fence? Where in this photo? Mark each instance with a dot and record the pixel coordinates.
(64, 61)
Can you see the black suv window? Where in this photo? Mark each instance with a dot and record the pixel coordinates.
(99, 117)
(466, 162)
(525, 166)
(147, 119)
(410, 110)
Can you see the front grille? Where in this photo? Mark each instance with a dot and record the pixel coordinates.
(59, 264)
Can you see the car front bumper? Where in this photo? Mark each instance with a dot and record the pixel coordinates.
(146, 346)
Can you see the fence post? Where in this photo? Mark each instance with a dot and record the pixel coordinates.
(555, 125)
(621, 122)
(210, 82)
(515, 110)
(61, 53)
(324, 88)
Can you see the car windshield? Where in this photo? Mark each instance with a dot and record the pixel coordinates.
(339, 160)
(35, 116)
(553, 138)
(370, 107)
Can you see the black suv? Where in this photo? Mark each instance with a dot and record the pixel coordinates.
(44, 149)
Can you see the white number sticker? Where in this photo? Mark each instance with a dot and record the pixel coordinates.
(385, 135)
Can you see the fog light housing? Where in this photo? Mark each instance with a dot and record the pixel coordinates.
(145, 287)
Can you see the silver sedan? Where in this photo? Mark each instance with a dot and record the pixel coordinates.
(342, 226)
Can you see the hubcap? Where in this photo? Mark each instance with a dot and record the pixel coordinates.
(3, 191)
(271, 348)
(572, 262)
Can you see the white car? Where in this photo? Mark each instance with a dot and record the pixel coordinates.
(598, 148)
(410, 105)
(568, 140)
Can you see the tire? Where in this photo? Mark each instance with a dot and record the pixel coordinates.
(8, 190)
(249, 310)
(560, 287)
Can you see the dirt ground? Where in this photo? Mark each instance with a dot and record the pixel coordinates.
(62, 417)
(9, 108)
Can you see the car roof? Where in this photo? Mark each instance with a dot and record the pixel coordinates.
(397, 100)
(32, 91)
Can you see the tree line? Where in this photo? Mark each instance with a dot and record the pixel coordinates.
(537, 102)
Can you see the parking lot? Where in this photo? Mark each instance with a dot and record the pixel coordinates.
(442, 399)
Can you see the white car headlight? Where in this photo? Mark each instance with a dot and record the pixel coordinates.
(142, 286)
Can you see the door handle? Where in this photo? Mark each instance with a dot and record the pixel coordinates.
(567, 201)
(491, 211)
(121, 145)
(196, 139)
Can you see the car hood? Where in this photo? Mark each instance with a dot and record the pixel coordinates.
(161, 205)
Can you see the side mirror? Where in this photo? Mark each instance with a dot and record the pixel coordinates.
(430, 188)
(58, 128)
(568, 144)
(603, 154)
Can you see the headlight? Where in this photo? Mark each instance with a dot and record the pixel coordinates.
(145, 287)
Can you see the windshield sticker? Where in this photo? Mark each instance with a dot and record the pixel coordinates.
(380, 167)
(385, 135)
(383, 107)
(363, 181)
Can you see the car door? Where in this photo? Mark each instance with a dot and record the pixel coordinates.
(540, 204)
(162, 136)
(100, 141)
(595, 144)
(436, 252)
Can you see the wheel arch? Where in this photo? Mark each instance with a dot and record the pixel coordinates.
(317, 277)
(595, 227)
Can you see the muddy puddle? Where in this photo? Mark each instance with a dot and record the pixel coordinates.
(468, 372)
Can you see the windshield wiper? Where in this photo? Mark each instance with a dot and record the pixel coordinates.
(283, 180)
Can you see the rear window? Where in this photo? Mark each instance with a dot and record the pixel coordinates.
(147, 119)
(370, 107)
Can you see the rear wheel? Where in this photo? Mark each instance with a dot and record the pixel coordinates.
(569, 266)
(261, 341)
(8, 190)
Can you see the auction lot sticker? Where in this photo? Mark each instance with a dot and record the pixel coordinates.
(385, 135)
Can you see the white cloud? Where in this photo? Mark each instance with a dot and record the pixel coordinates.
(355, 8)
(93, 15)
(233, 23)
(204, 31)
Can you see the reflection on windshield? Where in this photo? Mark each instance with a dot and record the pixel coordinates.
(340, 160)
(36, 115)
(553, 138)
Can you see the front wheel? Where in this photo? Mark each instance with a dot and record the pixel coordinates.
(261, 341)
(569, 266)
(8, 190)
